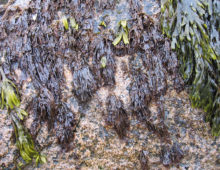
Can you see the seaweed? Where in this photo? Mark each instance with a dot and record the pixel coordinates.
(40, 46)
(103, 24)
(84, 83)
(65, 22)
(9, 98)
(144, 161)
(74, 24)
(117, 116)
(25, 144)
(65, 125)
(11, 101)
(44, 109)
(187, 24)
(213, 24)
(103, 61)
(107, 4)
(171, 155)
(149, 82)
(140, 96)
(149, 70)
(122, 33)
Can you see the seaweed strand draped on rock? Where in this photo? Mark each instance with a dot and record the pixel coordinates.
(191, 26)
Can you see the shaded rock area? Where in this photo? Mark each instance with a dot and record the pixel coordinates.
(131, 113)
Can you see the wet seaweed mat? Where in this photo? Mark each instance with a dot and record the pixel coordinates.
(39, 44)
(194, 30)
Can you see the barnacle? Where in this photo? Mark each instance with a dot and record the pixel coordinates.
(186, 23)
(25, 144)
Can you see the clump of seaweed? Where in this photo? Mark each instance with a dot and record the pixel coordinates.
(117, 116)
(72, 22)
(9, 98)
(185, 22)
(122, 33)
(44, 109)
(65, 125)
(106, 4)
(57, 116)
(25, 144)
(103, 62)
(84, 83)
(140, 96)
(144, 161)
(11, 101)
(149, 69)
(173, 155)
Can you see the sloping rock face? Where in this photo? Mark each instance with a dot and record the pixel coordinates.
(129, 113)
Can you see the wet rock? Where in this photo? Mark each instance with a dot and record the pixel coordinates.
(75, 95)
(144, 161)
(171, 155)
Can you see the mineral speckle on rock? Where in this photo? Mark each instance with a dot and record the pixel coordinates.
(130, 112)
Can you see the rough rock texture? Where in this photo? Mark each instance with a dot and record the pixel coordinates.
(94, 144)
(98, 147)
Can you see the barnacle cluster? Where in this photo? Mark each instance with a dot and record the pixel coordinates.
(188, 24)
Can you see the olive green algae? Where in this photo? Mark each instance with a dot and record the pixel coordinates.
(189, 24)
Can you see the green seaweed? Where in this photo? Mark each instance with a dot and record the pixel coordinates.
(74, 24)
(65, 22)
(186, 23)
(122, 34)
(103, 24)
(103, 62)
(72, 21)
(25, 144)
(9, 98)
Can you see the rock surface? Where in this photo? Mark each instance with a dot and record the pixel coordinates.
(97, 146)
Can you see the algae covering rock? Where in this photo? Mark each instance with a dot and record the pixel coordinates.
(25, 144)
(191, 25)
(93, 105)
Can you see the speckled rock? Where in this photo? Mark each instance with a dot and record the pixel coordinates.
(97, 146)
